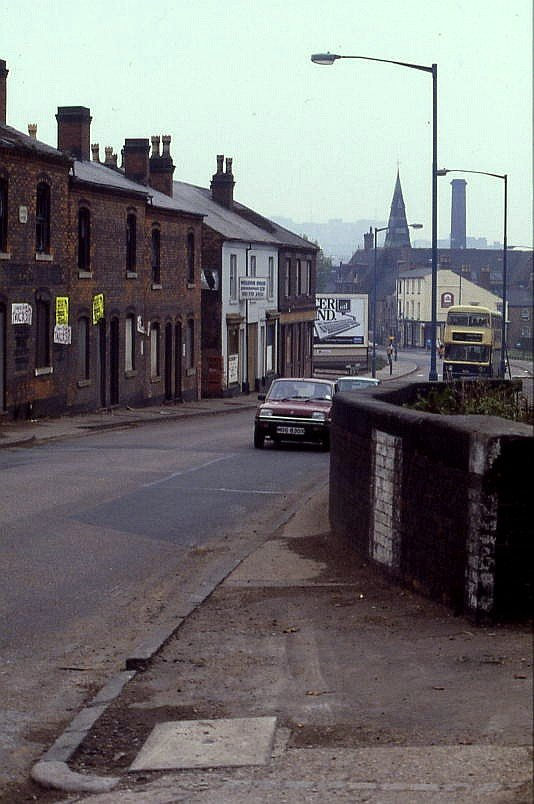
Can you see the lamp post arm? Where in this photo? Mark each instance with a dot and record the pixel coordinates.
(422, 67)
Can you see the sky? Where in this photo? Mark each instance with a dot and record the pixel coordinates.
(308, 142)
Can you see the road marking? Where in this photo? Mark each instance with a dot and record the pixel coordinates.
(187, 471)
(247, 491)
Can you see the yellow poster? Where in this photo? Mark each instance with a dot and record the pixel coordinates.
(62, 310)
(98, 307)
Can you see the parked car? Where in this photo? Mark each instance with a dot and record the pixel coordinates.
(295, 410)
(355, 383)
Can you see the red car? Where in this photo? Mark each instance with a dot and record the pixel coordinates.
(295, 409)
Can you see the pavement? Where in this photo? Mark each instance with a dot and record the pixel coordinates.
(301, 675)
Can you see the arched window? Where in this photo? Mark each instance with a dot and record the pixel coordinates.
(83, 348)
(191, 258)
(131, 242)
(84, 239)
(156, 256)
(42, 218)
(3, 215)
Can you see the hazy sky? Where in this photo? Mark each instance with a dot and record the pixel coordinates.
(308, 142)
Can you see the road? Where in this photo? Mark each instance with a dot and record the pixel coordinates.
(100, 534)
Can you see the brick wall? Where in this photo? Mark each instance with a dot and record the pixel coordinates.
(440, 502)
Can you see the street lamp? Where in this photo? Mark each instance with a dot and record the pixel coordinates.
(504, 178)
(326, 59)
(377, 230)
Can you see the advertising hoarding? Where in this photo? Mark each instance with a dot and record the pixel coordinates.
(341, 318)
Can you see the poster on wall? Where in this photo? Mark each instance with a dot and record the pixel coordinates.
(98, 307)
(21, 313)
(233, 369)
(63, 334)
(341, 318)
(62, 310)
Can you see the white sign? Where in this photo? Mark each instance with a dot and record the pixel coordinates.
(62, 334)
(21, 313)
(252, 287)
(341, 318)
(140, 327)
(233, 368)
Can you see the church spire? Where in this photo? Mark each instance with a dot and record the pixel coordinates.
(398, 234)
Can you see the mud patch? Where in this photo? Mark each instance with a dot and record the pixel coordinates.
(340, 735)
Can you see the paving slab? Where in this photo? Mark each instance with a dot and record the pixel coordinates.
(225, 742)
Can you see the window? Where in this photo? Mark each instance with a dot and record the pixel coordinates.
(270, 278)
(154, 351)
(42, 356)
(3, 215)
(190, 344)
(270, 343)
(524, 314)
(287, 279)
(84, 243)
(308, 277)
(131, 242)
(191, 258)
(42, 219)
(83, 348)
(299, 278)
(233, 277)
(129, 343)
(155, 256)
(525, 332)
(253, 266)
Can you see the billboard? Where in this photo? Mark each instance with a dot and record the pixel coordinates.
(341, 318)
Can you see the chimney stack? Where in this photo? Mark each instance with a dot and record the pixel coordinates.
(161, 166)
(3, 92)
(135, 160)
(458, 214)
(74, 130)
(32, 130)
(95, 151)
(222, 184)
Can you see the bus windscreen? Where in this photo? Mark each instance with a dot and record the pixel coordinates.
(467, 353)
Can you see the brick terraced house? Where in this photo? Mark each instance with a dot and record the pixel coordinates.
(100, 298)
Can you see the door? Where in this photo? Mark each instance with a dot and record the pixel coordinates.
(168, 362)
(178, 362)
(101, 363)
(114, 362)
(252, 355)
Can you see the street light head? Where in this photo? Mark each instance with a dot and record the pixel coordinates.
(324, 58)
(442, 172)
(415, 225)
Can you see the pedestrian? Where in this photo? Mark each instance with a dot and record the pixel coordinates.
(395, 350)
(389, 353)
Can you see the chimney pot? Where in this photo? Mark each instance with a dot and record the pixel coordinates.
(155, 146)
(222, 184)
(32, 130)
(166, 140)
(229, 165)
(95, 150)
(220, 160)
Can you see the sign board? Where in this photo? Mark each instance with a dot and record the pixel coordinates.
(447, 299)
(341, 318)
(63, 334)
(98, 307)
(21, 313)
(209, 279)
(233, 369)
(252, 287)
(62, 310)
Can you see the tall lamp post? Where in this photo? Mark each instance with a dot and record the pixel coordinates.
(504, 178)
(329, 58)
(377, 230)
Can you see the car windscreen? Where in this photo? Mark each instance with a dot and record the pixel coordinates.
(287, 389)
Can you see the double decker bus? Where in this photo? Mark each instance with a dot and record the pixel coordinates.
(472, 341)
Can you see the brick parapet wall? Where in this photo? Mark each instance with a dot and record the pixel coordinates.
(431, 499)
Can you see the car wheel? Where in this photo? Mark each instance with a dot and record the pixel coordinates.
(259, 439)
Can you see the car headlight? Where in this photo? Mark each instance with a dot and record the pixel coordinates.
(266, 412)
(319, 416)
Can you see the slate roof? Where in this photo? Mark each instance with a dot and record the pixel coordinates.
(11, 138)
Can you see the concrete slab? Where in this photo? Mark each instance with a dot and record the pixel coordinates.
(207, 744)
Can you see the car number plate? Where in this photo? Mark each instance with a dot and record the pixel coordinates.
(290, 430)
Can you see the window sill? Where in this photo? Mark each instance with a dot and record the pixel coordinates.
(5, 255)
(155, 379)
(130, 373)
(42, 257)
(156, 286)
(41, 372)
(85, 274)
(131, 274)
(84, 383)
